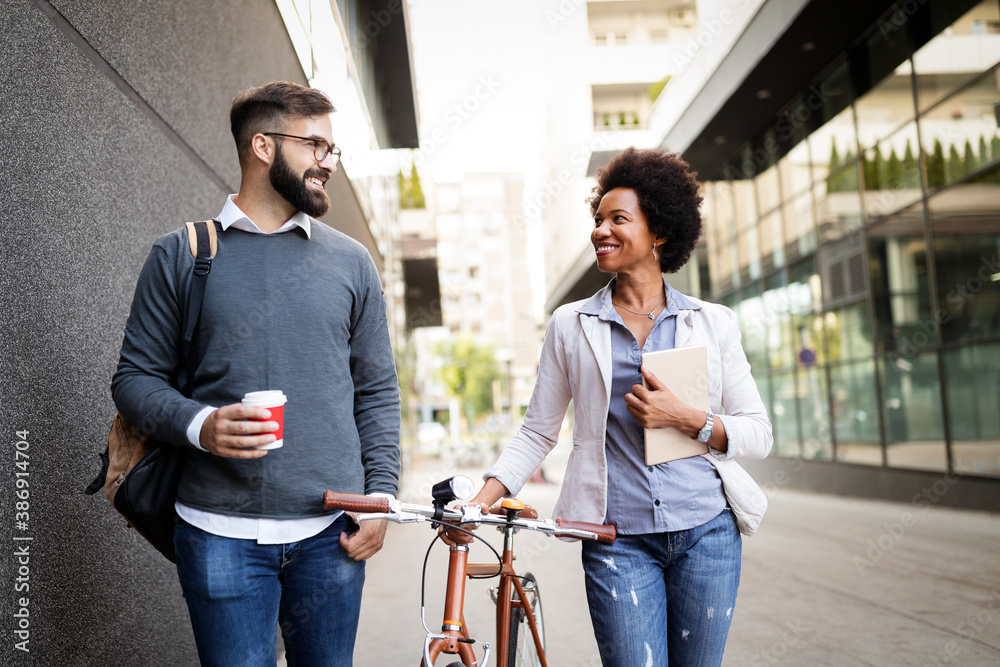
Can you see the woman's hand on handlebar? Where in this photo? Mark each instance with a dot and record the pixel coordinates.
(456, 537)
(491, 492)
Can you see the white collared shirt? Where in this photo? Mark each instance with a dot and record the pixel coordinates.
(233, 216)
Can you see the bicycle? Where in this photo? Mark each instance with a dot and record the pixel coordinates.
(520, 637)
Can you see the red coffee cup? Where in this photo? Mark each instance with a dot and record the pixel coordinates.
(274, 401)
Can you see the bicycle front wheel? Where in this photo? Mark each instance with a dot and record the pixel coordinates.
(522, 652)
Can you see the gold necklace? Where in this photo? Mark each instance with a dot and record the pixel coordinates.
(650, 314)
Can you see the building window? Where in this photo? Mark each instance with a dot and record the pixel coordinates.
(901, 285)
(966, 226)
(783, 414)
(960, 135)
(862, 259)
(683, 17)
(855, 413)
(911, 412)
(974, 408)
(957, 54)
(620, 106)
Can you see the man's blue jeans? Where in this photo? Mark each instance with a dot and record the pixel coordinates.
(664, 594)
(238, 592)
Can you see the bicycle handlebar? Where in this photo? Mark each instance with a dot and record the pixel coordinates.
(355, 503)
(398, 512)
(605, 533)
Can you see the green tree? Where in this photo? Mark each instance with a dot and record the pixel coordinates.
(849, 176)
(984, 152)
(881, 169)
(657, 88)
(468, 373)
(995, 155)
(935, 166)
(833, 182)
(969, 158)
(954, 167)
(411, 195)
(894, 170)
(872, 169)
(846, 178)
(911, 169)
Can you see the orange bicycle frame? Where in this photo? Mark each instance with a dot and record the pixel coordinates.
(453, 625)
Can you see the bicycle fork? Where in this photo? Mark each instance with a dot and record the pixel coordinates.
(454, 637)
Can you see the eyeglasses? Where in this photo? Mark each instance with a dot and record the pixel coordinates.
(321, 149)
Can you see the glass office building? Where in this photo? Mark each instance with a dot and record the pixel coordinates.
(857, 236)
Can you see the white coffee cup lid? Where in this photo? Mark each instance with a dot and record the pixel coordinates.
(264, 398)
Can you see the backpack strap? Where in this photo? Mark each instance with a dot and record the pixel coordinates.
(194, 239)
(204, 244)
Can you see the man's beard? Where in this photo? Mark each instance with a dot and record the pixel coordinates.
(294, 190)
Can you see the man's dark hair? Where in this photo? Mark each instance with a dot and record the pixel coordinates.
(668, 196)
(262, 109)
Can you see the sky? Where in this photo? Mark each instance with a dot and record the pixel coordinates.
(486, 72)
(483, 78)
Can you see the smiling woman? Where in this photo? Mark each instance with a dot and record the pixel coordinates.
(657, 186)
(679, 522)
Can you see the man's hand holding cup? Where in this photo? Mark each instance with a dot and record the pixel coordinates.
(246, 430)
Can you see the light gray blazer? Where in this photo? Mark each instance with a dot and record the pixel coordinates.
(576, 364)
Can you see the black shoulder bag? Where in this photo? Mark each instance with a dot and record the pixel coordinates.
(140, 475)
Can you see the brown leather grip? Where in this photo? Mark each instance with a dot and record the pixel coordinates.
(527, 513)
(354, 503)
(605, 533)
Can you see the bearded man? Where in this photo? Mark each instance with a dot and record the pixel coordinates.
(290, 305)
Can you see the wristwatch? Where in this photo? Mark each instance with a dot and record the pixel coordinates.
(706, 432)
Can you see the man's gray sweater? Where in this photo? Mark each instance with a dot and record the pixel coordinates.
(304, 316)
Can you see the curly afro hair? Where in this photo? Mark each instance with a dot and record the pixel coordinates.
(668, 196)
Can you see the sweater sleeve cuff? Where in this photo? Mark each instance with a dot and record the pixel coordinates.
(194, 428)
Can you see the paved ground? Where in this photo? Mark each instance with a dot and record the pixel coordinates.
(826, 581)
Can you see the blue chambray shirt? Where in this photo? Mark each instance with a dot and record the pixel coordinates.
(667, 497)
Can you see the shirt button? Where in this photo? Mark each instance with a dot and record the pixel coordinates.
(650, 468)
(656, 502)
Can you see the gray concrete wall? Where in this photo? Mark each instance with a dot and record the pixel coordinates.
(113, 130)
